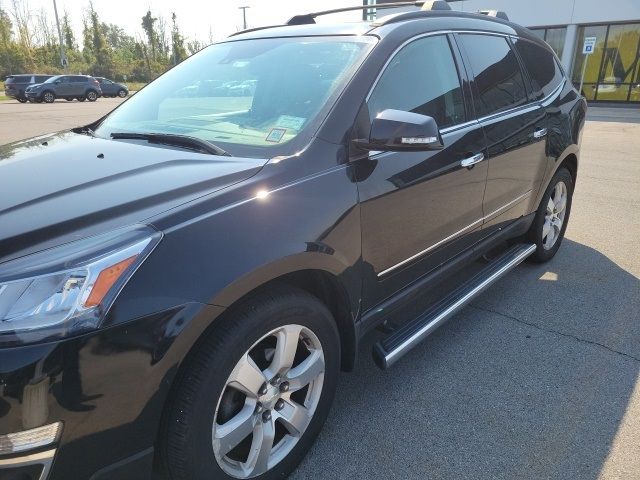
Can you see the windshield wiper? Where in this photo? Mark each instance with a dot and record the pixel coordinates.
(171, 139)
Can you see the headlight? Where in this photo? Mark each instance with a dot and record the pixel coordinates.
(67, 290)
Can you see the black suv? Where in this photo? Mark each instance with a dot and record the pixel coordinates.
(15, 85)
(80, 87)
(111, 88)
(182, 281)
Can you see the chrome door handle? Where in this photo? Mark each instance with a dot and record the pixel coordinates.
(539, 133)
(469, 162)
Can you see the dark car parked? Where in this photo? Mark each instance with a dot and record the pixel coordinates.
(182, 281)
(112, 89)
(80, 87)
(15, 85)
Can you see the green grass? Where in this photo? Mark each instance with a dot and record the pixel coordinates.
(4, 97)
(134, 86)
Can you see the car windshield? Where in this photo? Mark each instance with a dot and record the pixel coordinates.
(259, 97)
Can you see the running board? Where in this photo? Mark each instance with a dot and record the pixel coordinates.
(391, 348)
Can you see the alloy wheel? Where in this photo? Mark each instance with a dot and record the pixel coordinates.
(554, 216)
(268, 401)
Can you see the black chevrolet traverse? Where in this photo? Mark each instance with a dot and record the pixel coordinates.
(182, 281)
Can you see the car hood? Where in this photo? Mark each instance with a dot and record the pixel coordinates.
(62, 187)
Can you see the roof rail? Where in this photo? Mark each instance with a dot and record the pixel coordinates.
(494, 13)
(309, 18)
(429, 6)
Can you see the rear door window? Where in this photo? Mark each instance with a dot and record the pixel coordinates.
(498, 78)
(544, 72)
(421, 78)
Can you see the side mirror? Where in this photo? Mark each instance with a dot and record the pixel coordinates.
(399, 131)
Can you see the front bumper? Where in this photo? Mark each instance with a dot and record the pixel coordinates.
(108, 389)
(32, 95)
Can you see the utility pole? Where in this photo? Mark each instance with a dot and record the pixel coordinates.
(63, 58)
(244, 16)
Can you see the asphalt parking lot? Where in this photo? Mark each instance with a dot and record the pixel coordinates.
(537, 379)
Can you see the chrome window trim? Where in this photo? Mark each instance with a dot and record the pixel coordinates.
(537, 103)
(42, 458)
(456, 234)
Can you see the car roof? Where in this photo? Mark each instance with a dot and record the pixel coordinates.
(425, 21)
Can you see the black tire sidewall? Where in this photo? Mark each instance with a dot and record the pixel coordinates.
(246, 329)
(535, 232)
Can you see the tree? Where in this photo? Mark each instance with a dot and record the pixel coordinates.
(67, 33)
(148, 25)
(177, 42)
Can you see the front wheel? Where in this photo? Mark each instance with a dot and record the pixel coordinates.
(550, 221)
(253, 398)
(122, 93)
(22, 100)
(92, 96)
(81, 99)
(49, 97)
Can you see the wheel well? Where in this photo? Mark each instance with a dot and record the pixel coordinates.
(571, 163)
(328, 289)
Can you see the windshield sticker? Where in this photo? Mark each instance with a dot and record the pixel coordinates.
(276, 134)
(287, 121)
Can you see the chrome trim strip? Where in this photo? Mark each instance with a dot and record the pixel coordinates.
(428, 249)
(392, 356)
(42, 458)
(546, 101)
(506, 206)
(454, 235)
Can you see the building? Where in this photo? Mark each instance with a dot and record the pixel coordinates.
(611, 72)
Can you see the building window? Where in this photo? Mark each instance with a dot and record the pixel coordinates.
(612, 72)
(553, 36)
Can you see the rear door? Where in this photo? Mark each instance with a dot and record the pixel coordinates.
(418, 209)
(514, 126)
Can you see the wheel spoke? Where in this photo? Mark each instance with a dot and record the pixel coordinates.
(294, 417)
(247, 377)
(546, 228)
(550, 206)
(286, 346)
(263, 436)
(234, 431)
(308, 370)
(561, 204)
(557, 224)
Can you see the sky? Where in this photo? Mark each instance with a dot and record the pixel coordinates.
(195, 18)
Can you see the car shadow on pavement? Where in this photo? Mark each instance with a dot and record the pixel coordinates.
(531, 381)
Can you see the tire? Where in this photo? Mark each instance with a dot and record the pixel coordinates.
(48, 97)
(92, 96)
(122, 93)
(22, 100)
(81, 99)
(69, 99)
(551, 219)
(202, 395)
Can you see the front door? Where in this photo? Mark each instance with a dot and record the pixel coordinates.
(420, 208)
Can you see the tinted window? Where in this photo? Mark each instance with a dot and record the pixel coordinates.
(10, 80)
(41, 78)
(543, 70)
(497, 73)
(78, 79)
(421, 78)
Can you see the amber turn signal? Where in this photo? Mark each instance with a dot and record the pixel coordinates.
(106, 279)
